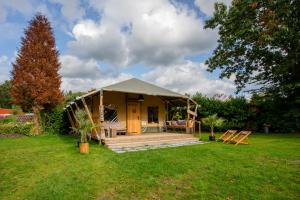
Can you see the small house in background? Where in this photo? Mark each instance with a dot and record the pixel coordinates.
(5, 111)
(132, 107)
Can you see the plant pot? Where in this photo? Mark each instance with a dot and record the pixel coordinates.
(84, 147)
(212, 138)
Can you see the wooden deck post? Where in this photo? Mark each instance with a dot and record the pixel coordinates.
(187, 128)
(101, 112)
(167, 114)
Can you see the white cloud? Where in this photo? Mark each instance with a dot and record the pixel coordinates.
(71, 9)
(188, 77)
(82, 75)
(207, 6)
(101, 42)
(22, 6)
(73, 67)
(25, 7)
(149, 32)
(4, 68)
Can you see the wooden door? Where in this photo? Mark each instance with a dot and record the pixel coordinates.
(133, 118)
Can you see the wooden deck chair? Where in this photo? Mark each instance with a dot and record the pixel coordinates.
(241, 138)
(227, 135)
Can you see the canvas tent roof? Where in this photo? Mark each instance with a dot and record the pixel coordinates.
(141, 87)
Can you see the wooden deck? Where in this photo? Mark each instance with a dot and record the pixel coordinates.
(146, 140)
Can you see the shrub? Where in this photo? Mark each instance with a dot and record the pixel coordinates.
(8, 119)
(54, 121)
(16, 128)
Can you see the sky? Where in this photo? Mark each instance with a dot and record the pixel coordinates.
(102, 42)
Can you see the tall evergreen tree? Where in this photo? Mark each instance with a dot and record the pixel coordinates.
(35, 83)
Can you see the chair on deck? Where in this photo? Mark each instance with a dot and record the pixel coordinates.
(240, 138)
(113, 128)
(227, 135)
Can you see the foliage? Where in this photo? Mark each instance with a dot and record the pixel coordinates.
(8, 119)
(267, 168)
(16, 128)
(17, 110)
(5, 100)
(55, 121)
(259, 43)
(281, 115)
(213, 121)
(236, 110)
(177, 113)
(71, 96)
(85, 126)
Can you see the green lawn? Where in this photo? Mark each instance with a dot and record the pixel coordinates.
(50, 167)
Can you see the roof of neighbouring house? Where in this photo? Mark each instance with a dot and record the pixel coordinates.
(141, 87)
(5, 111)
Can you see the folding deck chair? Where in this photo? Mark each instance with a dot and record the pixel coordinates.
(227, 135)
(240, 138)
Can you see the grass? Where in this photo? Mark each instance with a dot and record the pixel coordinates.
(50, 167)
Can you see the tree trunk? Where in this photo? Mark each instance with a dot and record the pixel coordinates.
(37, 120)
(212, 131)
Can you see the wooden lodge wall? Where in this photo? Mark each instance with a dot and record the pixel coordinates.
(118, 99)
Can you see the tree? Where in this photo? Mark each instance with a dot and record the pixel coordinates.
(5, 100)
(35, 83)
(213, 121)
(71, 96)
(260, 44)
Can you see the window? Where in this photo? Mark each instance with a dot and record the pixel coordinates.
(152, 114)
(110, 114)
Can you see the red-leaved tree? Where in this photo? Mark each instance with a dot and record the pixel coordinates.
(35, 82)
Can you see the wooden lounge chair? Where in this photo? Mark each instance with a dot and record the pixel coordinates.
(227, 135)
(240, 138)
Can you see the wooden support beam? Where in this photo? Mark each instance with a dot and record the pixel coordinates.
(94, 131)
(193, 101)
(87, 111)
(70, 119)
(76, 120)
(77, 107)
(192, 113)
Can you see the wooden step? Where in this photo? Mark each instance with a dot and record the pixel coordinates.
(144, 138)
(151, 143)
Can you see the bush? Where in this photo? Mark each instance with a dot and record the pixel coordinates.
(283, 115)
(55, 121)
(235, 110)
(16, 128)
(8, 119)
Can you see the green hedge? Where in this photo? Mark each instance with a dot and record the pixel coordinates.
(55, 121)
(16, 128)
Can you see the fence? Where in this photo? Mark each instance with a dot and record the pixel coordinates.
(20, 118)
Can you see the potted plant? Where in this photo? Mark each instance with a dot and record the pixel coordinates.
(84, 128)
(213, 121)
